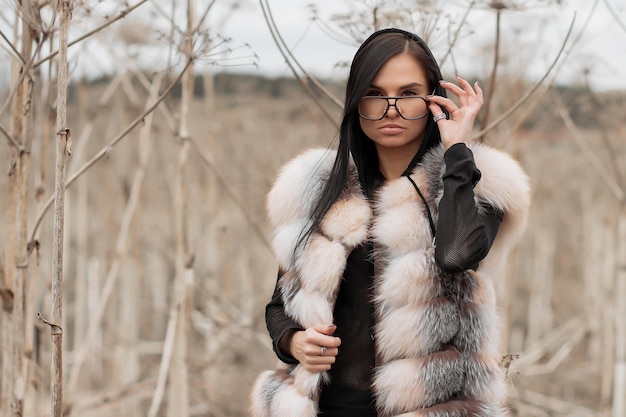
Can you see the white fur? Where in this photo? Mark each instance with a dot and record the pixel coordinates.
(306, 382)
(398, 332)
(257, 400)
(397, 385)
(347, 221)
(405, 281)
(288, 402)
(322, 261)
(507, 187)
(401, 383)
(396, 193)
(401, 229)
(285, 238)
(296, 186)
(310, 308)
(494, 391)
(411, 325)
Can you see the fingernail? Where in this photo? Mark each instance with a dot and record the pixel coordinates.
(442, 81)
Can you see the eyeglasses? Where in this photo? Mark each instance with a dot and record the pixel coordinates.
(408, 107)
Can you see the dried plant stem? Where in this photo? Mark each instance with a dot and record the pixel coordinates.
(506, 114)
(93, 402)
(23, 111)
(13, 284)
(105, 151)
(597, 164)
(619, 371)
(555, 405)
(63, 136)
(108, 23)
(24, 72)
(10, 138)
(286, 53)
(455, 38)
(178, 395)
(210, 163)
(611, 152)
(166, 355)
(13, 48)
(549, 342)
(621, 24)
(494, 70)
(120, 248)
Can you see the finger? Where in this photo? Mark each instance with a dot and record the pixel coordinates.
(453, 88)
(327, 329)
(330, 353)
(321, 360)
(320, 339)
(466, 86)
(479, 92)
(441, 102)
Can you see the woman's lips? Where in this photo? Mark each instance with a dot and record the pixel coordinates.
(391, 129)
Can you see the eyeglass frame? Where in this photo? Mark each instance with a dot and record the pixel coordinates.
(394, 105)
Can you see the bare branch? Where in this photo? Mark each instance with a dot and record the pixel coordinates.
(121, 242)
(24, 72)
(530, 92)
(105, 151)
(286, 53)
(108, 23)
(615, 15)
(224, 184)
(455, 38)
(204, 16)
(168, 16)
(611, 182)
(494, 70)
(10, 138)
(63, 148)
(13, 48)
(611, 152)
(112, 396)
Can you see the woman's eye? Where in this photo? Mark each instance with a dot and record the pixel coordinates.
(410, 93)
(373, 93)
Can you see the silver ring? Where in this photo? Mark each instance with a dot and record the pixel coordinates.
(324, 350)
(439, 116)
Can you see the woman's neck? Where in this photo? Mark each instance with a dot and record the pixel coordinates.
(392, 162)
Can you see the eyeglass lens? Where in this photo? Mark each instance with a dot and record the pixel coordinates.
(410, 108)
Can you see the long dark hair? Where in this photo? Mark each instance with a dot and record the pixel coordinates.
(369, 58)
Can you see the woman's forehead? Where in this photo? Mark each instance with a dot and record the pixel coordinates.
(401, 70)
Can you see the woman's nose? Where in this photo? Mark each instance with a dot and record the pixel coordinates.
(390, 107)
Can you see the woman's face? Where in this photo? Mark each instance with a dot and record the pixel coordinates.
(400, 76)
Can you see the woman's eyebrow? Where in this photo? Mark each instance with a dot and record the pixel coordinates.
(402, 87)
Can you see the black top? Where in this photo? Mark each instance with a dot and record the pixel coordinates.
(464, 237)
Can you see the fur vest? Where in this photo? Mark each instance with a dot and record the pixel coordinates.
(436, 335)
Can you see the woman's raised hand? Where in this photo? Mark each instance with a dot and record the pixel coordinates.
(458, 128)
(316, 348)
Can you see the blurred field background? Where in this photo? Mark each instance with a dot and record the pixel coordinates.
(167, 265)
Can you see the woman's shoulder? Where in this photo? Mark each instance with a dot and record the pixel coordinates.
(501, 173)
(504, 185)
(299, 183)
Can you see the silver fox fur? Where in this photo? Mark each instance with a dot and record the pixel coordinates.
(436, 334)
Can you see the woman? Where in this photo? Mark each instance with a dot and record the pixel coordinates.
(384, 303)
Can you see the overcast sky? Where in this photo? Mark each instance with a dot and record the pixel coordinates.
(533, 36)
